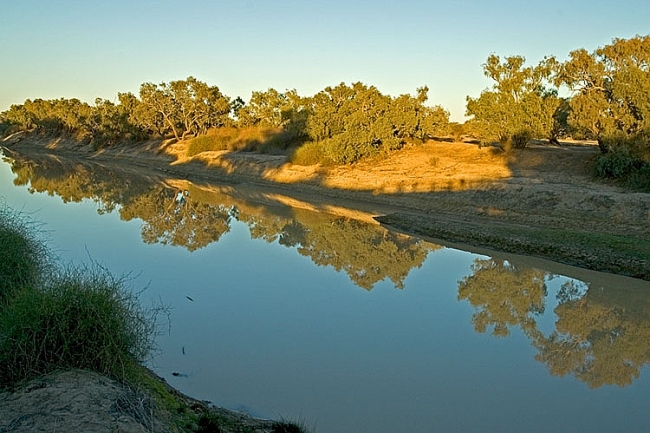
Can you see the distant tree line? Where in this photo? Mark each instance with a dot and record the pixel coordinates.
(347, 122)
(608, 101)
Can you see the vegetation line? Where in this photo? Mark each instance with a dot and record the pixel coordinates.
(342, 124)
(624, 255)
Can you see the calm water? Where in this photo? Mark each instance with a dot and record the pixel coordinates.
(284, 312)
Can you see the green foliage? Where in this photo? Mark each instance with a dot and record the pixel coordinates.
(287, 426)
(351, 122)
(520, 100)
(103, 124)
(183, 107)
(272, 109)
(6, 127)
(520, 139)
(457, 130)
(355, 122)
(265, 140)
(54, 319)
(81, 318)
(628, 160)
(208, 422)
(611, 87)
(206, 143)
(310, 153)
(23, 254)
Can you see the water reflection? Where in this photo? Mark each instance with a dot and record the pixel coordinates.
(504, 295)
(180, 213)
(601, 334)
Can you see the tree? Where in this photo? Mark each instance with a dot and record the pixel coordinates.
(352, 122)
(264, 109)
(610, 89)
(184, 107)
(367, 253)
(519, 104)
(413, 120)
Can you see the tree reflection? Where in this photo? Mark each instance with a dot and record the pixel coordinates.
(171, 217)
(183, 214)
(601, 335)
(504, 295)
(600, 338)
(367, 253)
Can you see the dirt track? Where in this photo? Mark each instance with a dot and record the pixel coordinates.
(541, 201)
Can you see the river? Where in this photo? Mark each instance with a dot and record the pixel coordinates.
(283, 311)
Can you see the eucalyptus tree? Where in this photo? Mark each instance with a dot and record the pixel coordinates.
(521, 103)
(610, 89)
(352, 122)
(184, 107)
(413, 120)
(264, 109)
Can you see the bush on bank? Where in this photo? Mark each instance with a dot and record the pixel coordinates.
(627, 160)
(23, 254)
(80, 318)
(54, 318)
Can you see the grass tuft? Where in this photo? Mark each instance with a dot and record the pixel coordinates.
(82, 318)
(54, 318)
(24, 257)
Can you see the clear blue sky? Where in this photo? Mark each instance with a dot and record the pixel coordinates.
(90, 48)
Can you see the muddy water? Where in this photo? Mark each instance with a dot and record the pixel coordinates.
(286, 312)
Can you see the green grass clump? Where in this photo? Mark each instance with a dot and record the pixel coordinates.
(54, 318)
(23, 253)
(81, 318)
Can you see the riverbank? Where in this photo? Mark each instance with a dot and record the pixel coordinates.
(541, 201)
(73, 340)
(83, 400)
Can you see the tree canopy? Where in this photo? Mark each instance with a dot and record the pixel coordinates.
(520, 102)
(610, 87)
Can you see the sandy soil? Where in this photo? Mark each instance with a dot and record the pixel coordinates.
(85, 401)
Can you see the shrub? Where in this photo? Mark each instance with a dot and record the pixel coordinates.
(309, 153)
(348, 148)
(23, 254)
(280, 141)
(457, 131)
(204, 143)
(627, 160)
(253, 138)
(81, 318)
(617, 163)
(520, 139)
(640, 179)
